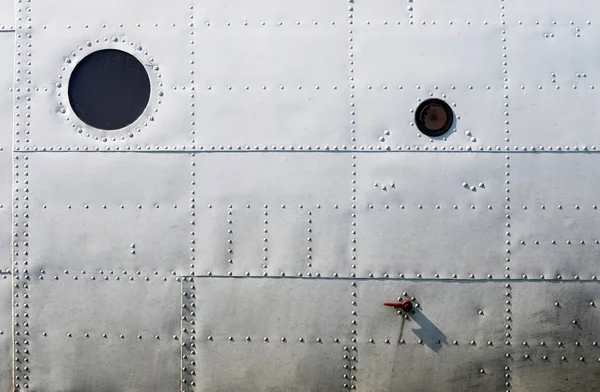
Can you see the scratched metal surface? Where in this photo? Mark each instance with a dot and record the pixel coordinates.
(244, 232)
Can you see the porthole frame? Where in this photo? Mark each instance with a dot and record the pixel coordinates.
(144, 121)
(450, 118)
(115, 104)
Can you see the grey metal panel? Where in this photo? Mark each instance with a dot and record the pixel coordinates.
(286, 81)
(454, 333)
(434, 10)
(99, 335)
(149, 35)
(552, 353)
(300, 202)
(7, 15)
(552, 10)
(389, 86)
(545, 311)
(270, 11)
(553, 203)
(6, 330)
(286, 334)
(554, 74)
(408, 201)
(93, 211)
(7, 41)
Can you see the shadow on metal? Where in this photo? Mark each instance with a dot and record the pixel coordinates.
(430, 335)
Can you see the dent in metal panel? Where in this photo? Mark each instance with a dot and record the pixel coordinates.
(97, 333)
(554, 218)
(7, 16)
(168, 119)
(301, 201)
(5, 330)
(454, 337)
(430, 215)
(286, 83)
(257, 334)
(551, 352)
(92, 211)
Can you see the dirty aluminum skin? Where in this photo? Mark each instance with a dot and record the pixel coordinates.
(244, 232)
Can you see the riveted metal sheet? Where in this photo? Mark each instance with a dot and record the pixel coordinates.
(129, 338)
(571, 109)
(286, 333)
(6, 125)
(285, 80)
(554, 216)
(299, 208)
(552, 10)
(551, 351)
(407, 203)
(385, 115)
(439, 11)
(5, 329)
(240, 11)
(7, 15)
(125, 211)
(450, 61)
(453, 338)
(149, 36)
(7, 42)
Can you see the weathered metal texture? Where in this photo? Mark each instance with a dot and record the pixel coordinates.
(277, 161)
(554, 212)
(413, 207)
(286, 333)
(7, 16)
(109, 212)
(389, 86)
(277, 224)
(553, 74)
(129, 336)
(421, 351)
(6, 358)
(555, 336)
(6, 104)
(146, 32)
(282, 67)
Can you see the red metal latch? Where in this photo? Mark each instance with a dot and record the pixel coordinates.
(405, 305)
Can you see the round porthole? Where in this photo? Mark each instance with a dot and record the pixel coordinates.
(434, 117)
(109, 89)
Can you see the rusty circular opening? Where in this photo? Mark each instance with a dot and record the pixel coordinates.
(109, 89)
(434, 117)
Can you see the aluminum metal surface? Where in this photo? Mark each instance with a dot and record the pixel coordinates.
(286, 333)
(555, 336)
(294, 219)
(414, 352)
(6, 363)
(244, 233)
(109, 211)
(7, 15)
(406, 223)
(129, 336)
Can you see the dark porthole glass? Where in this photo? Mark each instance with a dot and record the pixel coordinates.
(434, 117)
(109, 89)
